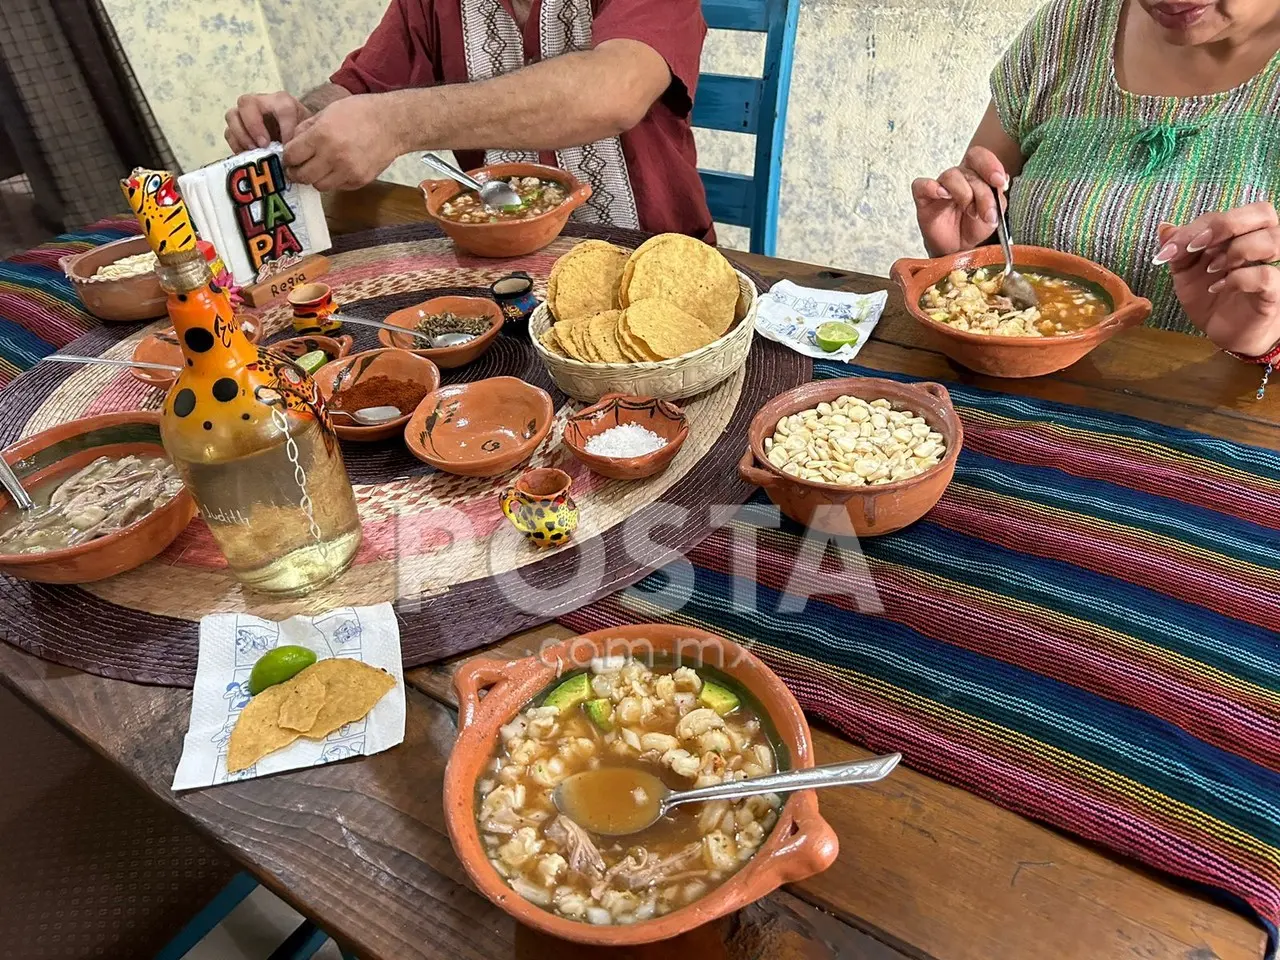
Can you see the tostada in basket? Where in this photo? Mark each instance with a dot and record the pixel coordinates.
(670, 319)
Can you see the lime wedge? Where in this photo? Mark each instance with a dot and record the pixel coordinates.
(277, 666)
(313, 361)
(834, 335)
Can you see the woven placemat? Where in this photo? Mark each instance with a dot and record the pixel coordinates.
(434, 544)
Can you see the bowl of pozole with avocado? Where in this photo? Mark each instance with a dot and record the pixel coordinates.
(547, 196)
(617, 710)
(960, 300)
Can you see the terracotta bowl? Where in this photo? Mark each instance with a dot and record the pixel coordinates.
(509, 238)
(59, 452)
(125, 300)
(395, 364)
(1019, 356)
(871, 510)
(663, 418)
(480, 429)
(800, 845)
(446, 358)
(163, 347)
(335, 348)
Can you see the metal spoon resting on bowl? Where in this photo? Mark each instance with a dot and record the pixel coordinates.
(369, 416)
(1014, 285)
(617, 801)
(437, 341)
(495, 194)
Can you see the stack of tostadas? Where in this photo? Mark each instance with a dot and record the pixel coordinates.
(671, 296)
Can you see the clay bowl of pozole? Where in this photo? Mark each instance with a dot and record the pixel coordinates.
(714, 709)
(107, 500)
(549, 196)
(958, 299)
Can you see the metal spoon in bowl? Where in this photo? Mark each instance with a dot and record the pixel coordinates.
(107, 362)
(495, 194)
(369, 416)
(636, 799)
(436, 340)
(1014, 285)
(13, 486)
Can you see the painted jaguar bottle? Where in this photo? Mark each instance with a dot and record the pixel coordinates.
(246, 428)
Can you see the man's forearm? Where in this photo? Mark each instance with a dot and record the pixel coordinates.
(323, 95)
(566, 101)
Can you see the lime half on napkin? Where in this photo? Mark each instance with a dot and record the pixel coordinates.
(834, 335)
(278, 665)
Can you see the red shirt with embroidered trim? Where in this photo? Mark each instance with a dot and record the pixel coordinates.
(419, 44)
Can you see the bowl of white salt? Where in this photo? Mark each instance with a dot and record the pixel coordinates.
(627, 438)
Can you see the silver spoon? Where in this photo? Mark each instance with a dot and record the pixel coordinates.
(370, 416)
(17, 492)
(575, 795)
(437, 340)
(1015, 286)
(106, 362)
(496, 194)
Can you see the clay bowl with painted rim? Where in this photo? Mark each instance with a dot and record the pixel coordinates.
(335, 348)
(483, 313)
(123, 300)
(1019, 356)
(505, 238)
(800, 845)
(163, 347)
(480, 429)
(663, 418)
(57, 453)
(388, 362)
(867, 511)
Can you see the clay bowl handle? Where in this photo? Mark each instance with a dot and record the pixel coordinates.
(936, 390)
(580, 195)
(471, 679)
(752, 474)
(905, 269)
(1130, 313)
(433, 190)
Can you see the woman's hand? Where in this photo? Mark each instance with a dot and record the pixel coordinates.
(958, 210)
(1222, 266)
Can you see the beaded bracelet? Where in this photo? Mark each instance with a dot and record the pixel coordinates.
(1268, 361)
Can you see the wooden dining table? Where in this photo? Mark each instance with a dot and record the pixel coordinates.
(925, 870)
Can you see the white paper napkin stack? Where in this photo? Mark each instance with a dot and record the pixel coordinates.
(231, 643)
(791, 314)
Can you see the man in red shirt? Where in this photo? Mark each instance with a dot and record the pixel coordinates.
(601, 88)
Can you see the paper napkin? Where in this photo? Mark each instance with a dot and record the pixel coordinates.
(790, 314)
(231, 643)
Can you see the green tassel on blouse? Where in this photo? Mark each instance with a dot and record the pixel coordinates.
(1161, 141)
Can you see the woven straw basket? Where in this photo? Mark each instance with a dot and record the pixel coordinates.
(676, 379)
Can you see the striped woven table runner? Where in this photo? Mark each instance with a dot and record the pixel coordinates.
(39, 311)
(1084, 630)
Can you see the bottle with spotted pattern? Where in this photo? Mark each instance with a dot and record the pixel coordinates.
(246, 427)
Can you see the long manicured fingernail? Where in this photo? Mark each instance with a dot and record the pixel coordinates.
(1218, 286)
(1201, 242)
(1167, 253)
(1217, 264)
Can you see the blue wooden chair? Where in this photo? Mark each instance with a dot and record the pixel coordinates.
(750, 105)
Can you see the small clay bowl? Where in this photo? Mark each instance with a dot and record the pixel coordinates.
(341, 375)
(507, 238)
(663, 418)
(800, 845)
(871, 510)
(163, 347)
(335, 348)
(125, 300)
(60, 451)
(483, 317)
(1019, 356)
(480, 429)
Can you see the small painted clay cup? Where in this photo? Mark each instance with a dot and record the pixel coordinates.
(514, 294)
(313, 309)
(539, 506)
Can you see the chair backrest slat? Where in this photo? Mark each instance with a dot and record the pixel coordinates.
(728, 103)
(752, 15)
(731, 197)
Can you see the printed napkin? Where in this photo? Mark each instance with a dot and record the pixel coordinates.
(791, 314)
(231, 643)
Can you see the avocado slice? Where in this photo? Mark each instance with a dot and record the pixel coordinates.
(601, 713)
(570, 693)
(720, 699)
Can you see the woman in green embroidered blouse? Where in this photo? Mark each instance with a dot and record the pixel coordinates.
(1144, 136)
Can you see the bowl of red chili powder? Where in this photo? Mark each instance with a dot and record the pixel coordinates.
(376, 378)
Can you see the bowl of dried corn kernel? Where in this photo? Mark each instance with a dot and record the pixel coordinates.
(858, 455)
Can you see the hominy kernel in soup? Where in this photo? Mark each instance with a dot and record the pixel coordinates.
(538, 197)
(974, 303)
(681, 726)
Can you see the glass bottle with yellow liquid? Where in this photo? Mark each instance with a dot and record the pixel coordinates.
(246, 428)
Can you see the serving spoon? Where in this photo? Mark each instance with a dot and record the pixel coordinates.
(1013, 284)
(496, 194)
(108, 362)
(437, 340)
(369, 416)
(575, 795)
(13, 486)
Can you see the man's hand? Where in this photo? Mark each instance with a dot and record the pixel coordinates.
(1223, 273)
(348, 143)
(250, 121)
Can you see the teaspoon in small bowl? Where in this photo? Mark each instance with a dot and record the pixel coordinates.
(1013, 284)
(369, 416)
